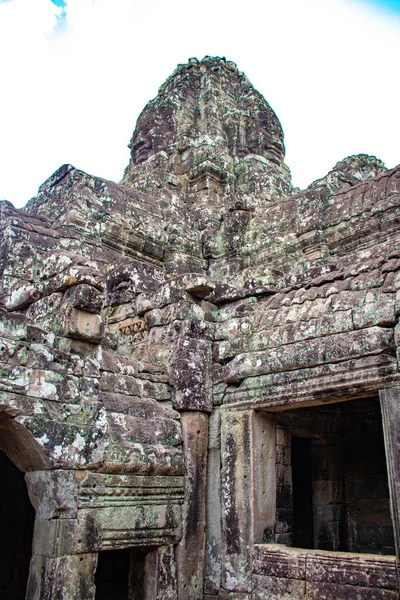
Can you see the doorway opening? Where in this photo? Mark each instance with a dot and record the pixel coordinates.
(332, 488)
(16, 531)
(120, 574)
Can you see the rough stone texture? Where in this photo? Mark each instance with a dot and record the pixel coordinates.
(69, 576)
(205, 294)
(212, 580)
(190, 553)
(283, 572)
(390, 411)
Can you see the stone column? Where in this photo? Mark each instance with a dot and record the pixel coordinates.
(212, 582)
(390, 406)
(190, 552)
(283, 487)
(267, 475)
(56, 571)
(62, 577)
(190, 376)
(159, 575)
(237, 492)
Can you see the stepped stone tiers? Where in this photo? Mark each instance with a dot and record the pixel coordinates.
(199, 367)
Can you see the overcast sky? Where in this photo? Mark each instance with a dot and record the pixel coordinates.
(74, 77)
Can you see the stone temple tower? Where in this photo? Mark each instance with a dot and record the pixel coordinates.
(199, 376)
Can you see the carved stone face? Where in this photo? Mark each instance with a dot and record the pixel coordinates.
(141, 150)
(203, 104)
(264, 137)
(154, 133)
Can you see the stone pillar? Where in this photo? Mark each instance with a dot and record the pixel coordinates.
(390, 406)
(159, 577)
(190, 376)
(56, 571)
(237, 501)
(212, 581)
(283, 488)
(190, 554)
(62, 577)
(266, 474)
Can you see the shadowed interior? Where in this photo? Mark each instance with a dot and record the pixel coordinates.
(334, 495)
(16, 531)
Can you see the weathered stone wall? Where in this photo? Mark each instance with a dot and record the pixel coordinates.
(161, 338)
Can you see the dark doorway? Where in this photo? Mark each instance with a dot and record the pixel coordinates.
(120, 574)
(112, 575)
(367, 509)
(17, 518)
(303, 530)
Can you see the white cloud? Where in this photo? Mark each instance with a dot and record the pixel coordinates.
(73, 93)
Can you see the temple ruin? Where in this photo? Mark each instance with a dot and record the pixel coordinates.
(200, 386)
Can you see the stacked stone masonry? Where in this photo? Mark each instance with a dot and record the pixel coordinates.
(200, 367)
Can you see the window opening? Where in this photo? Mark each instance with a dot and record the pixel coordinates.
(332, 488)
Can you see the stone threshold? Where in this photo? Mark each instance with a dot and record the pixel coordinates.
(346, 568)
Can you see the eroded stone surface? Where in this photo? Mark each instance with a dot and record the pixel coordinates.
(149, 330)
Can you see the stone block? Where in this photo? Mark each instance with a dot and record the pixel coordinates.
(366, 571)
(276, 588)
(67, 445)
(85, 297)
(190, 374)
(146, 408)
(381, 312)
(120, 384)
(339, 347)
(276, 561)
(56, 314)
(13, 325)
(311, 385)
(224, 595)
(84, 325)
(154, 389)
(145, 430)
(63, 577)
(25, 295)
(54, 494)
(333, 591)
(40, 383)
(164, 296)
